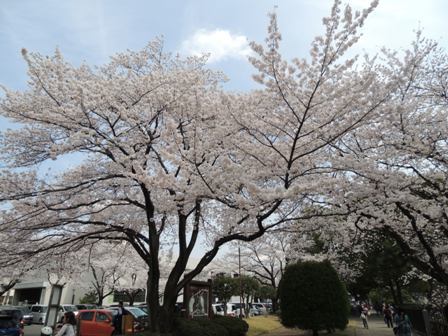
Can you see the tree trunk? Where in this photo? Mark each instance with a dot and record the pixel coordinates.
(394, 294)
(399, 294)
(100, 295)
(315, 332)
(153, 302)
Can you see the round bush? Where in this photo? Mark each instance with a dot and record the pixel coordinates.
(313, 298)
(200, 327)
(234, 325)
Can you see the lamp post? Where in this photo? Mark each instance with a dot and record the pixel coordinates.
(239, 276)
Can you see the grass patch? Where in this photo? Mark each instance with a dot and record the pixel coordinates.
(262, 324)
(259, 325)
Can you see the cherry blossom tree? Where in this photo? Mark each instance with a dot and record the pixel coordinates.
(109, 266)
(398, 166)
(265, 259)
(167, 156)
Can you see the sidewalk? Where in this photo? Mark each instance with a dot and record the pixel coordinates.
(355, 328)
(377, 327)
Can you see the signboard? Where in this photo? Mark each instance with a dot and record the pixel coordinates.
(53, 306)
(198, 299)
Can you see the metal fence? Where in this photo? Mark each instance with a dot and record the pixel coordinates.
(429, 322)
(438, 323)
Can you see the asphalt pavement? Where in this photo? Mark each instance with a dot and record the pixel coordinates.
(33, 330)
(377, 327)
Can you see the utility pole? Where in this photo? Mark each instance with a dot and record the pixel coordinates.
(239, 275)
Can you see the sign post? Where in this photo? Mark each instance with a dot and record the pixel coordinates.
(198, 299)
(53, 306)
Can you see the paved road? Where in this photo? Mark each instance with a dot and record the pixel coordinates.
(376, 328)
(33, 330)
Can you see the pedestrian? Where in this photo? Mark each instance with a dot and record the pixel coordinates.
(364, 314)
(118, 319)
(403, 326)
(388, 316)
(69, 327)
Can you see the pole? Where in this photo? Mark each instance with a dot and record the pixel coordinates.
(239, 275)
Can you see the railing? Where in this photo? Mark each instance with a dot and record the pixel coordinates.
(438, 323)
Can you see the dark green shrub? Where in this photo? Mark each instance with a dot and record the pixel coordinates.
(184, 327)
(212, 328)
(235, 326)
(199, 327)
(313, 298)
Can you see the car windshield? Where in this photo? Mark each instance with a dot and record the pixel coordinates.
(137, 312)
(24, 310)
(70, 308)
(7, 323)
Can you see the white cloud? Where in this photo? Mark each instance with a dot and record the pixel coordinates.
(220, 44)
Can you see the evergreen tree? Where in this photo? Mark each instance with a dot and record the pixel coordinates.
(313, 298)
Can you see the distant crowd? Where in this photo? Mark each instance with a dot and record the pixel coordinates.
(394, 318)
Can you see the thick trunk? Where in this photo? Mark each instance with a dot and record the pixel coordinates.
(153, 301)
(394, 294)
(399, 294)
(168, 315)
(162, 316)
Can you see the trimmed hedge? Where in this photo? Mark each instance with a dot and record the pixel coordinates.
(219, 326)
(234, 325)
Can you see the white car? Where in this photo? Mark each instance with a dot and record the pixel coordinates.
(261, 307)
(218, 309)
(63, 308)
(39, 313)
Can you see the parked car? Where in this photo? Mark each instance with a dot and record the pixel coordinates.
(67, 308)
(12, 311)
(261, 307)
(141, 320)
(234, 310)
(218, 309)
(27, 317)
(143, 307)
(96, 322)
(39, 313)
(86, 306)
(9, 326)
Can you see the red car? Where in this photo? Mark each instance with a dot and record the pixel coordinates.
(96, 322)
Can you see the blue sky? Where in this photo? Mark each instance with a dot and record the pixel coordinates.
(92, 30)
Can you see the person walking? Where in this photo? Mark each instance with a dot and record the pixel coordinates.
(388, 316)
(364, 314)
(69, 327)
(118, 320)
(403, 326)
